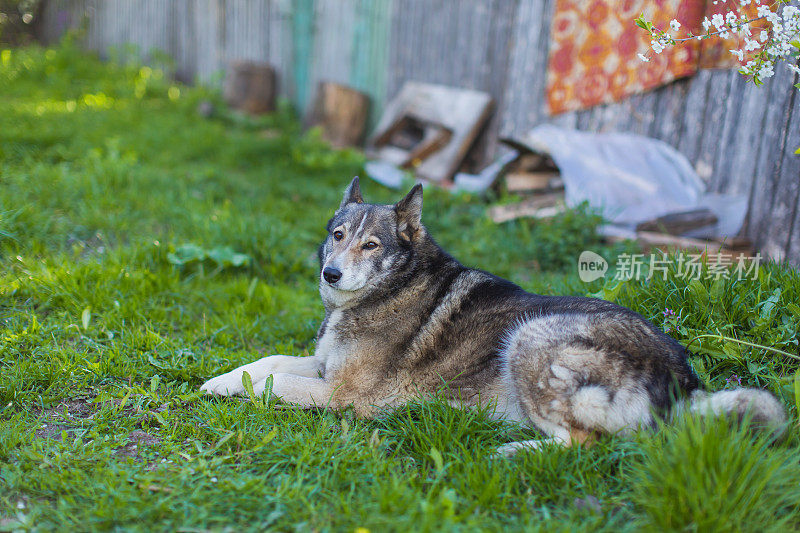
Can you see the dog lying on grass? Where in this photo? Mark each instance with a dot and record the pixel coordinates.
(404, 319)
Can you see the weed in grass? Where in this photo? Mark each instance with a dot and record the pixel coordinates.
(712, 475)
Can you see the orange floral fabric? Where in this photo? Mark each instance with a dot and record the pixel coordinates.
(595, 47)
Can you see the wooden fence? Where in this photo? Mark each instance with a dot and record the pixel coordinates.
(740, 138)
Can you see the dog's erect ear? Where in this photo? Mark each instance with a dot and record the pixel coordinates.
(352, 194)
(409, 213)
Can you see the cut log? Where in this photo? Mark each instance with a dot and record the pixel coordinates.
(533, 181)
(542, 206)
(530, 162)
(342, 113)
(679, 223)
(250, 87)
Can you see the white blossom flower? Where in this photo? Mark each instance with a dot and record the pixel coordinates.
(718, 21)
(706, 24)
(794, 68)
(738, 53)
(763, 36)
(657, 46)
(750, 44)
(644, 58)
(675, 25)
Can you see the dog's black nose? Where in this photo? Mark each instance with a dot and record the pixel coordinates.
(332, 275)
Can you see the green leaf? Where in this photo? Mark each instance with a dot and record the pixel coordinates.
(186, 253)
(438, 461)
(769, 306)
(698, 290)
(154, 382)
(160, 419)
(224, 439)
(86, 317)
(259, 402)
(247, 383)
(717, 290)
(797, 390)
(270, 436)
(252, 288)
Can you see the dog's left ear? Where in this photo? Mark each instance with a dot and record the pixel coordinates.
(352, 194)
(409, 213)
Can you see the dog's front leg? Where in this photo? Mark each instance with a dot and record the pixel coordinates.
(231, 383)
(298, 390)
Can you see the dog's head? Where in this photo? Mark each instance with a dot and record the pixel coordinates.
(367, 244)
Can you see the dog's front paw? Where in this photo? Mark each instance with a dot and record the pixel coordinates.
(225, 385)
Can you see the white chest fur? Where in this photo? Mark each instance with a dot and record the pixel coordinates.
(330, 348)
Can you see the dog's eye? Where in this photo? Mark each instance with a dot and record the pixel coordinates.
(338, 235)
(371, 245)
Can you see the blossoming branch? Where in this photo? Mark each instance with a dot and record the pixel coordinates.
(771, 33)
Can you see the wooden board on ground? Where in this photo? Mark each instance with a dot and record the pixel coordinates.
(679, 223)
(541, 206)
(462, 112)
(731, 251)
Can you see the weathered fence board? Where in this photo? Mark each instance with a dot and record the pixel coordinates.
(740, 138)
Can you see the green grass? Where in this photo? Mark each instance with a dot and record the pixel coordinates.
(145, 248)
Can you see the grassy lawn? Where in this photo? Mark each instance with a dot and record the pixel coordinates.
(145, 247)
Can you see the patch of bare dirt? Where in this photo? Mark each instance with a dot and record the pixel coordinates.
(71, 414)
(68, 416)
(138, 438)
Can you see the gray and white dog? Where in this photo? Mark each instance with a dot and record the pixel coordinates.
(404, 319)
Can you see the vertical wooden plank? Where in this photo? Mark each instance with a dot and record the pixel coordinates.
(280, 44)
(303, 45)
(692, 125)
(742, 151)
(667, 124)
(783, 213)
(495, 68)
(768, 159)
(790, 173)
(370, 51)
(713, 118)
(721, 177)
(397, 48)
(524, 95)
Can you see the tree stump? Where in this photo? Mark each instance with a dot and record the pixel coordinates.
(251, 87)
(342, 113)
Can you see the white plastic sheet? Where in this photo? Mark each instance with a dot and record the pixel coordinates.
(631, 179)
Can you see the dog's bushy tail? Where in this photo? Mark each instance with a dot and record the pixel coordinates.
(759, 408)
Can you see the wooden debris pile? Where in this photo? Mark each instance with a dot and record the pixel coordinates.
(537, 179)
(429, 129)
